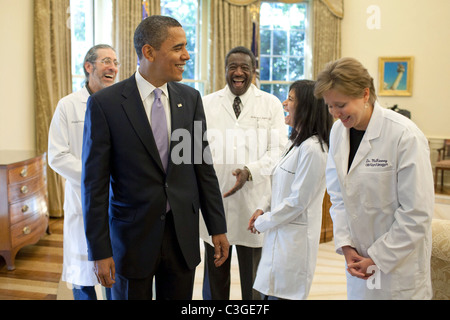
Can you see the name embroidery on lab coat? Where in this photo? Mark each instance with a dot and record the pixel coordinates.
(286, 170)
(376, 163)
(260, 118)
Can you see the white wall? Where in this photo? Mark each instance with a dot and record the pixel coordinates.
(407, 28)
(17, 128)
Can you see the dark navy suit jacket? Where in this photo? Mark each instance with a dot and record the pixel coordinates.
(124, 185)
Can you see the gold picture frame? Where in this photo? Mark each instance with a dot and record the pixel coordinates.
(395, 76)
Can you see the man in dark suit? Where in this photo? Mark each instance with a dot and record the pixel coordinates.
(140, 204)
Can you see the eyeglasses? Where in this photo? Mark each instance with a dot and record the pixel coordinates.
(109, 62)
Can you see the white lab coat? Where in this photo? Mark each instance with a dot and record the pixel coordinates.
(383, 206)
(64, 157)
(292, 223)
(256, 140)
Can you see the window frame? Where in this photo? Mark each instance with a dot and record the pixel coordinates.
(307, 53)
(96, 14)
(201, 51)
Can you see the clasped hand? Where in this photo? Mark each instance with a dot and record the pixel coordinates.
(356, 264)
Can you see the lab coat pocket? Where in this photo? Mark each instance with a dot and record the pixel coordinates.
(378, 189)
(262, 122)
(292, 248)
(407, 278)
(258, 124)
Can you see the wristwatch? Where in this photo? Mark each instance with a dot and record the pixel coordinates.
(250, 178)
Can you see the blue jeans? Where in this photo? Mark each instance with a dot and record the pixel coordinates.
(88, 293)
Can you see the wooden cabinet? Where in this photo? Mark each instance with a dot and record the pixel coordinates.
(23, 201)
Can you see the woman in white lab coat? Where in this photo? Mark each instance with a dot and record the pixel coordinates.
(380, 183)
(291, 219)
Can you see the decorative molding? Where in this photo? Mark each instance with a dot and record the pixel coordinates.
(241, 2)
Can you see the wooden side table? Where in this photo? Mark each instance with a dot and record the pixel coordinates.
(327, 224)
(23, 201)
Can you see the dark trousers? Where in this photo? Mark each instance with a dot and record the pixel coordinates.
(173, 279)
(216, 283)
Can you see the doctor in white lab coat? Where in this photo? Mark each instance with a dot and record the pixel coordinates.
(64, 157)
(244, 148)
(291, 220)
(381, 191)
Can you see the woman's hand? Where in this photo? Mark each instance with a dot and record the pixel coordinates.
(356, 264)
(251, 223)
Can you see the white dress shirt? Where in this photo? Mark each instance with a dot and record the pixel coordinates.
(146, 91)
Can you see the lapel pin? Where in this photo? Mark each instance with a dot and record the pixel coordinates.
(180, 105)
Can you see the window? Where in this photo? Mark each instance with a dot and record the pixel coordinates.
(85, 15)
(282, 46)
(189, 14)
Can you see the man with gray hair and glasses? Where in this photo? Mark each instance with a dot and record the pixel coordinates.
(64, 157)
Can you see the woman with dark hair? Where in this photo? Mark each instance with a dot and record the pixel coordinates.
(292, 218)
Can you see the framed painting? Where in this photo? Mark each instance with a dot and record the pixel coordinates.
(395, 76)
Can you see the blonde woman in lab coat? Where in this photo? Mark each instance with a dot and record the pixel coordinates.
(64, 157)
(381, 187)
(291, 219)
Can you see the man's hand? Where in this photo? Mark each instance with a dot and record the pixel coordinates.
(221, 248)
(241, 178)
(105, 271)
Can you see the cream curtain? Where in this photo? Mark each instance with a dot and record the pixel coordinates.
(231, 26)
(127, 14)
(327, 16)
(327, 19)
(53, 78)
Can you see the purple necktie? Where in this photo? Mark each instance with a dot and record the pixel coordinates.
(159, 128)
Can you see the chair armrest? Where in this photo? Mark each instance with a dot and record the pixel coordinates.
(441, 154)
(441, 239)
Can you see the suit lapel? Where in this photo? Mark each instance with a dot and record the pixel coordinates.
(363, 149)
(228, 108)
(177, 107)
(252, 97)
(226, 104)
(178, 112)
(342, 152)
(135, 111)
(373, 131)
